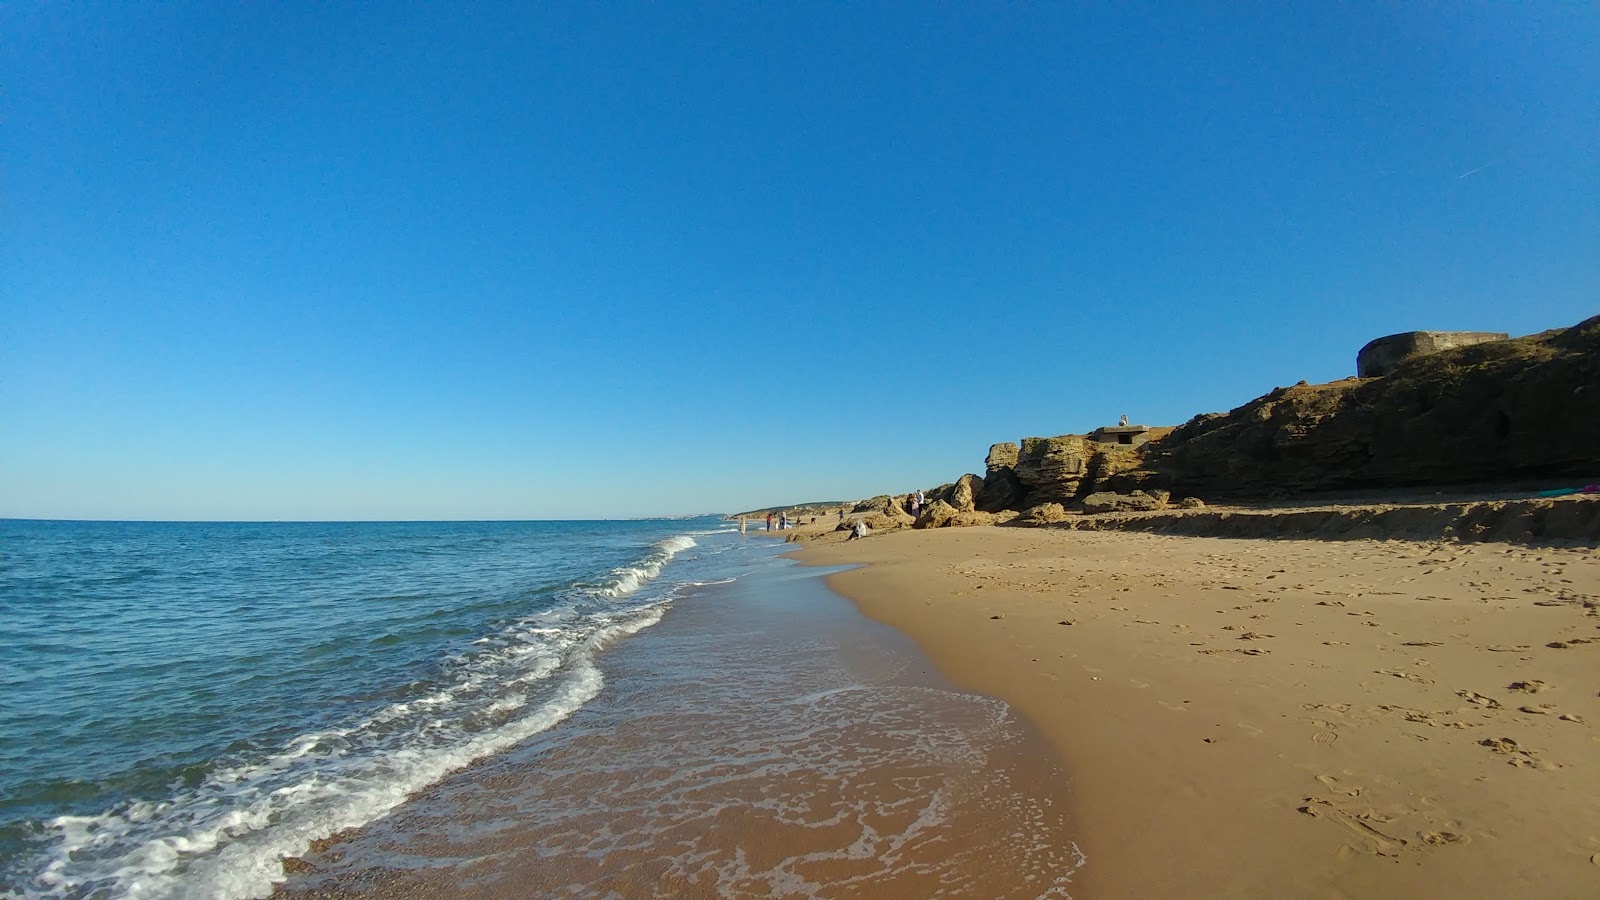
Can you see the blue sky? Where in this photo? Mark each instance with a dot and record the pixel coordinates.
(340, 261)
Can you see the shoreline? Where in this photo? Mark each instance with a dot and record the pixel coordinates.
(1291, 717)
(838, 763)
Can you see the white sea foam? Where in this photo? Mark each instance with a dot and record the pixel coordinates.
(628, 579)
(228, 835)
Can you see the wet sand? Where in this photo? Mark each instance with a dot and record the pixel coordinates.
(763, 740)
(1276, 718)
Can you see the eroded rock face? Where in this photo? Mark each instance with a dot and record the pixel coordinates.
(1051, 468)
(965, 494)
(1380, 357)
(1494, 411)
(1001, 489)
(1001, 456)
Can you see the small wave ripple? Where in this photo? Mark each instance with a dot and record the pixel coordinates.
(225, 834)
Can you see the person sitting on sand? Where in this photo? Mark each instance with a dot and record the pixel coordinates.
(858, 531)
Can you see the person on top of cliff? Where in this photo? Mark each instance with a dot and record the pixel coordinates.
(1124, 422)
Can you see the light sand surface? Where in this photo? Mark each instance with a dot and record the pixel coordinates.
(1280, 718)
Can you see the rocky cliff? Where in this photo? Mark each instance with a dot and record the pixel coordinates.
(1492, 411)
(1496, 411)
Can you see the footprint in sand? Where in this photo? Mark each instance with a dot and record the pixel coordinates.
(1408, 676)
(1515, 755)
(1532, 686)
(1338, 787)
(1372, 840)
(1478, 699)
(1440, 838)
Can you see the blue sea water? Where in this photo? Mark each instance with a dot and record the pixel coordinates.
(183, 704)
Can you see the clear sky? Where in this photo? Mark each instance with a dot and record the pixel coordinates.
(334, 261)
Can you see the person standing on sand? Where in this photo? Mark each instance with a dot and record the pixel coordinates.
(769, 521)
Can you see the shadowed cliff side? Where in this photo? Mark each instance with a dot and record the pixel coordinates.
(1497, 411)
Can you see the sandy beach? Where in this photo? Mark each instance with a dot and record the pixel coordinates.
(1312, 718)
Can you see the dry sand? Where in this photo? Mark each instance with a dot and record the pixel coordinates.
(1280, 717)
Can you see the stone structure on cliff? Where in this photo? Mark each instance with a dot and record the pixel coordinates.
(1122, 435)
(1380, 357)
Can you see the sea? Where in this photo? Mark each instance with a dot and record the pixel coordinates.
(660, 707)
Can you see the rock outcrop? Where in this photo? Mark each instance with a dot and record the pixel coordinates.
(1108, 502)
(1044, 514)
(1494, 411)
(1001, 489)
(1052, 468)
(964, 496)
(1382, 356)
(1453, 408)
(936, 514)
(1540, 522)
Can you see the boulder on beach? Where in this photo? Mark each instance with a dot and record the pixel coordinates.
(964, 496)
(1107, 502)
(1044, 514)
(936, 515)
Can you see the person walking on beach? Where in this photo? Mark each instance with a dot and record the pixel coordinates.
(769, 521)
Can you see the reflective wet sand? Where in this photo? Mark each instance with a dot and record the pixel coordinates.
(763, 740)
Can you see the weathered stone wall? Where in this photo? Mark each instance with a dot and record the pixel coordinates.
(1380, 357)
